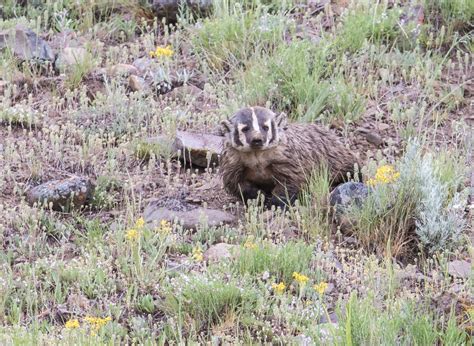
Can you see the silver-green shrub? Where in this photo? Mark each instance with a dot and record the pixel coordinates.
(440, 218)
(425, 201)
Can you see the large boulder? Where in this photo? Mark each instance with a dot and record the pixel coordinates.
(62, 194)
(190, 219)
(347, 195)
(25, 44)
(198, 149)
(343, 198)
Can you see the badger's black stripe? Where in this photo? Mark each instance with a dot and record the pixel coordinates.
(237, 140)
(273, 126)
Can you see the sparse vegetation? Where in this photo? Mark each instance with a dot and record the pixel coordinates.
(393, 78)
(411, 205)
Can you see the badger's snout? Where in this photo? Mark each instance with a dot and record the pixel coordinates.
(256, 141)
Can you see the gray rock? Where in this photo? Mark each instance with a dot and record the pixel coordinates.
(25, 44)
(460, 269)
(218, 252)
(170, 8)
(375, 139)
(411, 273)
(69, 57)
(194, 148)
(190, 219)
(143, 64)
(185, 91)
(343, 198)
(371, 136)
(123, 70)
(62, 194)
(175, 203)
(347, 195)
(350, 241)
(198, 149)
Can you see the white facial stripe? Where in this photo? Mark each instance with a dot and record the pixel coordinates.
(242, 137)
(268, 123)
(255, 126)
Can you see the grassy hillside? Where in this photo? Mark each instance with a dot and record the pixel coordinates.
(394, 79)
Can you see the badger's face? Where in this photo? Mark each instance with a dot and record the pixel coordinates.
(254, 128)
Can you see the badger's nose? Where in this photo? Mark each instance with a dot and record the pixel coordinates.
(257, 142)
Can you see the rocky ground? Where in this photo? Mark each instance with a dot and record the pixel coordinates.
(114, 223)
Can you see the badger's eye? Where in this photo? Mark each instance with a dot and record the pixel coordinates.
(265, 128)
(245, 129)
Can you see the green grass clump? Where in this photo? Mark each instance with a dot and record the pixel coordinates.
(105, 193)
(144, 150)
(232, 36)
(200, 302)
(449, 23)
(76, 73)
(67, 14)
(457, 14)
(279, 262)
(402, 321)
(377, 25)
(312, 214)
(299, 79)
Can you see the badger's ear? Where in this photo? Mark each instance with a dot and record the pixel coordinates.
(281, 121)
(226, 126)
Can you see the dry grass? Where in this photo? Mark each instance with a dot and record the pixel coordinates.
(348, 66)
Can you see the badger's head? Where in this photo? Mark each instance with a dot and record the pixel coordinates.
(254, 128)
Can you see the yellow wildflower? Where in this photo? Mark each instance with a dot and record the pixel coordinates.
(250, 245)
(300, 278)
(321, 287)
(165, 227)
(72, 324)
(140, 223)
(197, 254)
(162, 51)
(132, 234)
(384, 175)
(279, 288)
(97, 322)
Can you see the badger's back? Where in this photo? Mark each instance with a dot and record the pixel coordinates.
(308, 146)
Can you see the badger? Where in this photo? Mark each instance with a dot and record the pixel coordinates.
(263, 154)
